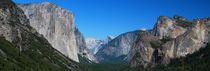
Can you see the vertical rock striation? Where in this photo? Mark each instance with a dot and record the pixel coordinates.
(57, 25)
(166, 27)
(170, 38)
(27, 49)
(142, 51)
(195, 38)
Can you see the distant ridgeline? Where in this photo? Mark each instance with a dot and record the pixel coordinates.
(197, 61)
(43, 37)
(169, 39)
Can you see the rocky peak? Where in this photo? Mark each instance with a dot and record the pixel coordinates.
(109, 38)
(94, 45)
(177, 17)
(46, 3)
(118, 48)
(192, 40)
(167, 27)
(172, 38)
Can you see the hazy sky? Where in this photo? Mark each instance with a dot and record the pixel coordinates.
(100, 18)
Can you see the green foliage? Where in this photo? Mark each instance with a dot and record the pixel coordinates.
(156, 44)
(112, 59)
(38, 57)
(159, 43)
(104, 67)
(183, 22)
(165, 39)
(84, 60)
(198, 61)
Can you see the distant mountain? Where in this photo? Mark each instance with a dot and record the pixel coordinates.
(118, 48)
(57, 25)
(94, 45)
(22, 48)
(43, 37)
(83, 51)
(197, 61)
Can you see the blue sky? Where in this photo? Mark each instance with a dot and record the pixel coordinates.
(100, 18)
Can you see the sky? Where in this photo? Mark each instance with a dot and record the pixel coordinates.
(102, 18)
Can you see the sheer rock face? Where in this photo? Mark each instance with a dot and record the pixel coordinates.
(167, 27)
(118, 47)
(55, 24)
(15, 28)
(141, 52)
(194, 39)
(193, 36)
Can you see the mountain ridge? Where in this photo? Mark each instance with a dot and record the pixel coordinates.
(162, 48)
(153, 47)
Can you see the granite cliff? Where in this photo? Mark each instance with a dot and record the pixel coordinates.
(171, 38)
(56, 24)
(22, 48)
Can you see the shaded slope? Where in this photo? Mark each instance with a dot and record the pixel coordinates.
(38, 57)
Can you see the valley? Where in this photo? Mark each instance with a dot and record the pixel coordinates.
(44, 36)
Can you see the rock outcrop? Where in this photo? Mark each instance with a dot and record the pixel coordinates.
(166, 27)
(24, 48)
(142, 51)
(83, 49)
(195, 38)
(171, 38)
(57, 25)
